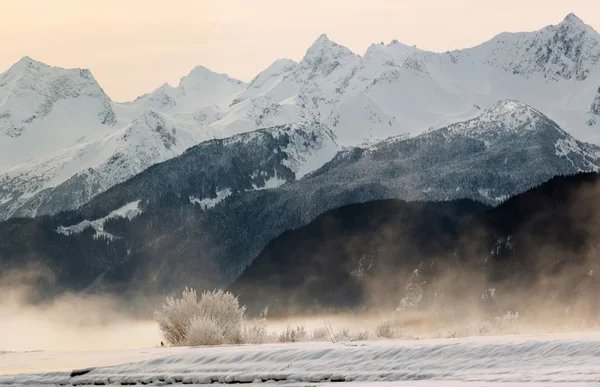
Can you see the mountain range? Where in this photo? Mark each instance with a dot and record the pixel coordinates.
(201, 218)
(189, 184)
(64, 141)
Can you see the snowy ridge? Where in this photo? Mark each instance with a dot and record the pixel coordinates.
(512, 118)
(36, 100)
(507, 117)
(309, 145)
(128, 211)
(81, 172)
(199, 89)
(478, 360)
(568, 50)
(29, 90)
(397, 89)
(267, 79)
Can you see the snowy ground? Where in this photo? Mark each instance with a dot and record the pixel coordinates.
(506, 360)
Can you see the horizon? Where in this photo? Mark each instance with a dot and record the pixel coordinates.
(222, 46)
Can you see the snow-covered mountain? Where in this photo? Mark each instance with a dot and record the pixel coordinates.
(62, 140)
(397, 89)
(58, 127)
(45, 109)
(69, 178)
(200, 89)
(206, 214)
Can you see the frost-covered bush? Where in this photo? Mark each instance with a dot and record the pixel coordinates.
(359, 336)
(214, 319)
(204, 331)
(256, 332)
(321, 334)
(386, 330)
(176, 315)
(224, 309)
(293, 335)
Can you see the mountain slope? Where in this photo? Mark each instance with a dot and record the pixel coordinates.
(70, 178)
(323, 264)
(88, 153)
(505, 150)
(534, 252)
(204, 216)
(305, 92)
(45, 109)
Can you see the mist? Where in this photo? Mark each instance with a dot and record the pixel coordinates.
(68, 321)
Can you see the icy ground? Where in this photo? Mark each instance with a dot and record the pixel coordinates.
(506, 360)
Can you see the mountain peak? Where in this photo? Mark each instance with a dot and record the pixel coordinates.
(324, 43)
(27, 62)
(324, 56)
(322, 38)
(509, 106)
(201, 74)
(201, 70)
(572, 20)
(30, 89)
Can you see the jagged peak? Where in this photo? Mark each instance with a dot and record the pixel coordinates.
(324, 47)
(27, 61)
(35, 73)
(573, 25)
(572, 20)
(322, 38)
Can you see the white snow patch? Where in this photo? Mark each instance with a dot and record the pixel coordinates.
(129, 211)
(207, 203)
(270, 183)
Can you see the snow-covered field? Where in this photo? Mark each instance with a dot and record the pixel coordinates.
(572, 359)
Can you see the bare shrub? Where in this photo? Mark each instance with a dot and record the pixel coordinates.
(386, 330)
(256, 332)
(359, 336)
(293, 335)
(320, 334)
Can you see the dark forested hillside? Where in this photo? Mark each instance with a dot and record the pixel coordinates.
(540, 246)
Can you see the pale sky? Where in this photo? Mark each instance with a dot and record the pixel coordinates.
(133, 46)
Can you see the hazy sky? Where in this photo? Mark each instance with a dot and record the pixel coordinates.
(133, 46)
